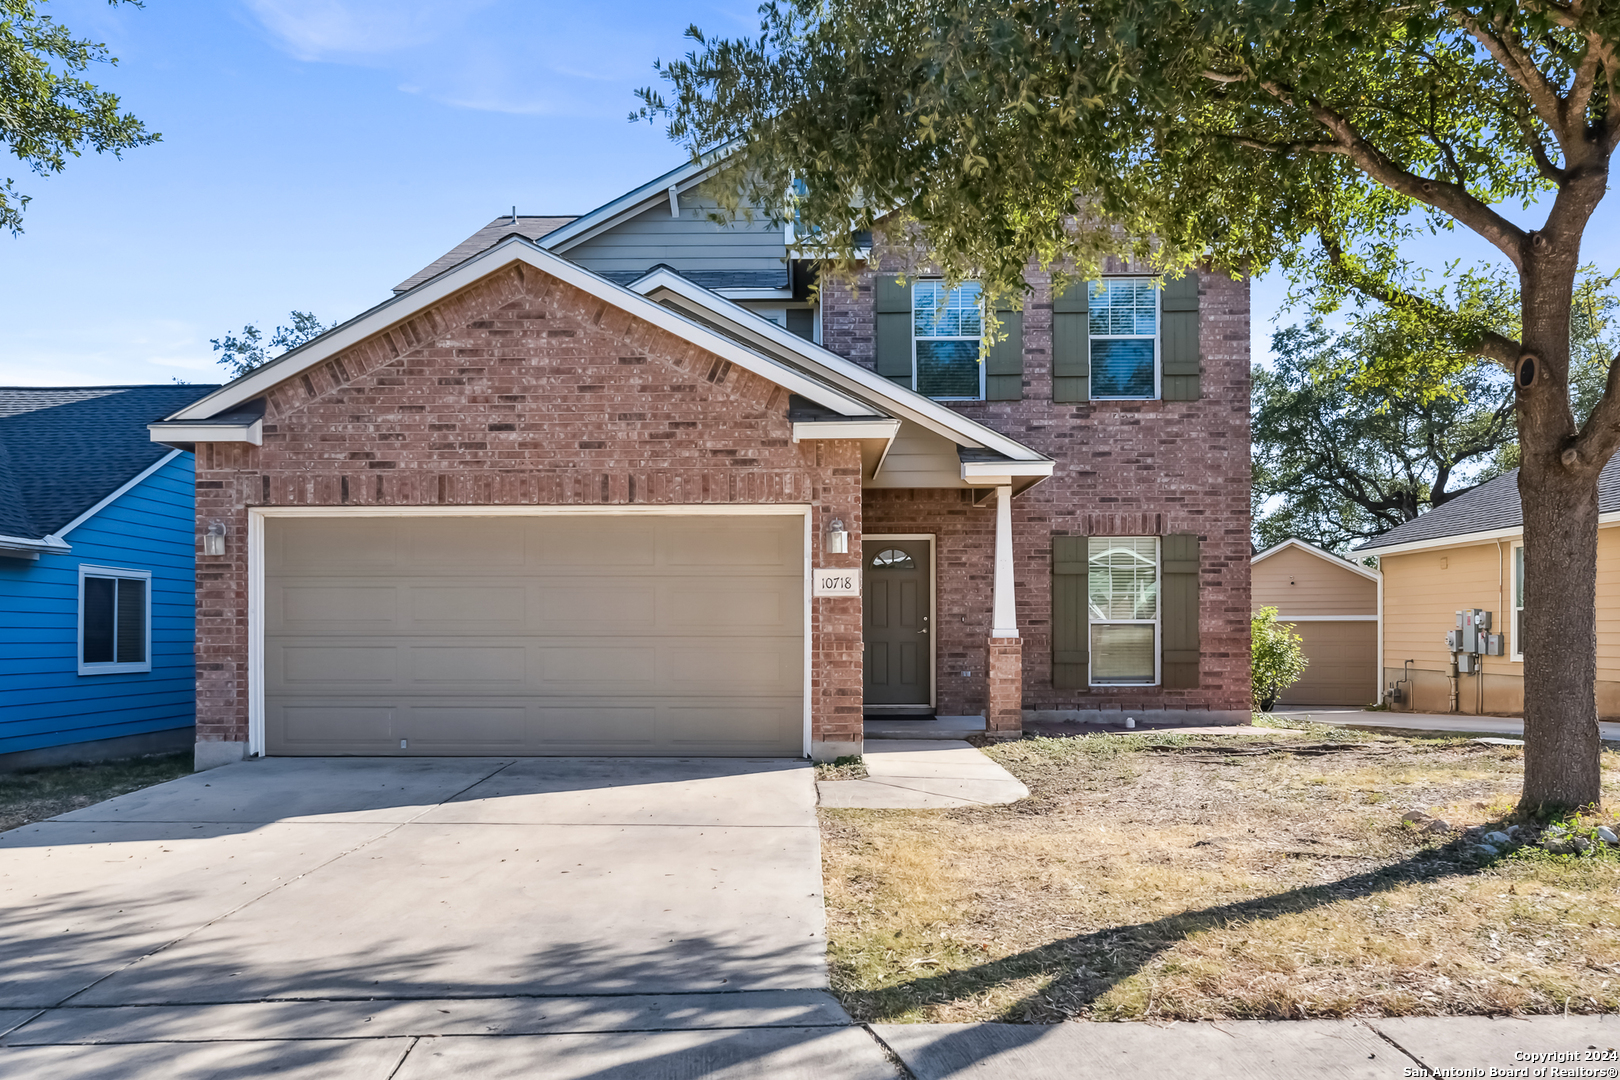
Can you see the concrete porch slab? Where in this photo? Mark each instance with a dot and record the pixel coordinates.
(923, 775)
(950, 728)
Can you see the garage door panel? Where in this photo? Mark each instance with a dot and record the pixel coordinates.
(602, 606)
(333, 665)
(698, 727)
(475, 608)
(598, 725)
(582, 542)
(328, 727)
(329, 546)
(333, 608)
(559, 635)
(478, 545)
(485, 665)
(464, 728)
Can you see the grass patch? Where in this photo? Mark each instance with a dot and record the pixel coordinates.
(37, 794)
(1165, 876)
(849, 767)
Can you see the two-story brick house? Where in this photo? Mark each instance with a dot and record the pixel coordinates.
(625, 483)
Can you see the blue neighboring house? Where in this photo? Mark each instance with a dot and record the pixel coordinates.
(97, 575)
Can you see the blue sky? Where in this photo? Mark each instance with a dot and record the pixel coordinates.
(316, 152)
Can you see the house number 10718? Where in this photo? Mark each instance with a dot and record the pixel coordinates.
(836, 583)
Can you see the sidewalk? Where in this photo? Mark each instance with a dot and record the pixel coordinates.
(1541, 1046)
(1509, 726)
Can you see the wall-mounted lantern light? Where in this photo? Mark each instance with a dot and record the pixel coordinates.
(214, 539)
(837, 537)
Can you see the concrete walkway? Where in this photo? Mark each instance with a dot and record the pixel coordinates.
(1510, 726)
(923, 775)
(1228, 1050)
(427, 918)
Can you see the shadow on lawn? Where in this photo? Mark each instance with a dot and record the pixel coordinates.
(1088, 966)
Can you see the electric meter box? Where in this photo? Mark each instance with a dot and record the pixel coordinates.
(1470, 632)
(1467, 663)
(1493, 644)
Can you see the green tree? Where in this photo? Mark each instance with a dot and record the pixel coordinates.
(1335, 464)
(240, 354)
(1314, 136)
(48, 113)
(1276, 657)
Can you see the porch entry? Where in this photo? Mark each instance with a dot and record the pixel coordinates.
(898, 622)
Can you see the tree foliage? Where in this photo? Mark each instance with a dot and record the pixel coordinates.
(1345, 450)
(241, 353)
(1277, 657)
(47, 112)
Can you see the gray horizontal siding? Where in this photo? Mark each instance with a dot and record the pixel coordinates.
(689, 242)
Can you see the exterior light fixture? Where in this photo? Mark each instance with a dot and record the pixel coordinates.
(214, 539)
(837, 537)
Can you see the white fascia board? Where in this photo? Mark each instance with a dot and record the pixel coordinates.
(845, 429)
(170, 432)
(1320, 553)
(754, 294)
(515, 249)
(887, 396)
(1002, 473)
(635, 201)
(32, 549)
(116, 495)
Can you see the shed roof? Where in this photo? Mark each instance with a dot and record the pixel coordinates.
(64, 449)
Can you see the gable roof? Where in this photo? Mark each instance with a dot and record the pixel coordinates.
(534, 226)
(63, 450)
(1490, 509)
(1294, 543)
(719, 327)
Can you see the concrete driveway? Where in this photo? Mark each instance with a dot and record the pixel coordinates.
(428, 918)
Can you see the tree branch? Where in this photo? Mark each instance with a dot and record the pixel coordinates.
(1491, 345)
(1453, 199)
(1545, 97)
(1600, 435)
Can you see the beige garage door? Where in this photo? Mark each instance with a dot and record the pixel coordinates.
(535, 635)
(1342, 669)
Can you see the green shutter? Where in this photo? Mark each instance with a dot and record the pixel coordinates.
(1071, 629)
(1004, 364)
(1178, 340)
(893, 333)
(1071, 345)
(1178, 611)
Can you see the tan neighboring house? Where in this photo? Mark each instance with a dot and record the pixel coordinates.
(1469, 554)
(1333, 606)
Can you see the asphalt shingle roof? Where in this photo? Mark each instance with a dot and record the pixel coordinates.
(1491, 506)
(64, 449)
(533, 226)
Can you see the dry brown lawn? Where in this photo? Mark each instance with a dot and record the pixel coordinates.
(1262, 876)
(37, 794)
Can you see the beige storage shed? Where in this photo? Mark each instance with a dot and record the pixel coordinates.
(1333, 605)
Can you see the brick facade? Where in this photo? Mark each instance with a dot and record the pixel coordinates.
(1123, 468)
(521, 390)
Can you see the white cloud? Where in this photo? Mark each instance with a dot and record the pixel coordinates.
(324, 29)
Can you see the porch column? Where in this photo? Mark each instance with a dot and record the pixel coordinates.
(1004, 711)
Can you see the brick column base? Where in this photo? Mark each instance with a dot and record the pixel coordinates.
(1004, 712)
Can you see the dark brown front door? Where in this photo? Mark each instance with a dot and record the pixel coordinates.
(898, 622)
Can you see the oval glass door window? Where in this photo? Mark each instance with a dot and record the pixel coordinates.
(893, 559)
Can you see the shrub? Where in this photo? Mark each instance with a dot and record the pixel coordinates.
(1277, 657)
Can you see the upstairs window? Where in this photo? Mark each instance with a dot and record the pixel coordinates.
(1123, 318)
(115, 620)
(947, 325)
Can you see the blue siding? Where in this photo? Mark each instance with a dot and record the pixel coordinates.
(44, 701)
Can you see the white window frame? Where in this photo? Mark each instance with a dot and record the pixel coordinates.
(1516, 647)
(979, 339)
(88, 571)
(1157, 622)
(1158, 335)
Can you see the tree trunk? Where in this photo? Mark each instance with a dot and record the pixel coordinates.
(1560, 502)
